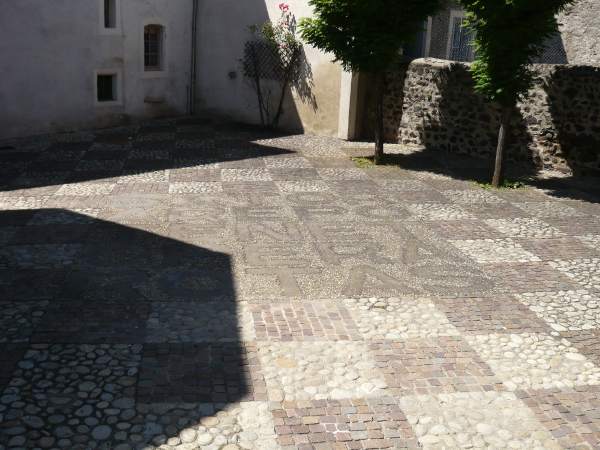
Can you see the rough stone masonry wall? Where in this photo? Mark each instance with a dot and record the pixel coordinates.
(433, 104)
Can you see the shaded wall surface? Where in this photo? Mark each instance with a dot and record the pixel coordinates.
(51, 51)
(223, 30)
(432, 103)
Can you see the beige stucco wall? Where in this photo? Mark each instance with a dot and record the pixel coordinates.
(580, 29)
(221, 88)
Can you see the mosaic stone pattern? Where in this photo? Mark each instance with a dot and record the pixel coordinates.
(488, 251)
(183, 284)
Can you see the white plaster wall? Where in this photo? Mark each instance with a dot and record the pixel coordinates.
(51, 50)
(222, 33)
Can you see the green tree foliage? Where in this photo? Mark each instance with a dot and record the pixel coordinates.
(366, 36)
(509, 34)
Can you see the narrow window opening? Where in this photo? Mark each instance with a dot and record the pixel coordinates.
(460, 40)
(153, 51)
(107, 88)
(110, 14)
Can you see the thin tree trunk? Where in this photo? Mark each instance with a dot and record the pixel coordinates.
(286, 82)
(257, 85)
(498, 178)
(379, 92)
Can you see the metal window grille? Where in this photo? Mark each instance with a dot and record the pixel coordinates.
(554, 51)
(153, 47)
(461, 45)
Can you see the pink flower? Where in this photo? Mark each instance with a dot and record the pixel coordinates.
(284, 7)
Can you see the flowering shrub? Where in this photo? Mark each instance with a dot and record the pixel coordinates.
(281, 34)
(273, 55)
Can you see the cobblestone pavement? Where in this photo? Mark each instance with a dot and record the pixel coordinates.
(182, 285)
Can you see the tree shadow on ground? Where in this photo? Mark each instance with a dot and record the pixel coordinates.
(141, 153)
(113, 336)
(456, 134)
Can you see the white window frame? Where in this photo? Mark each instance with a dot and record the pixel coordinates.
(164, 71)
(428, 37)
(454, 14)
(117, 28)
(118, 74)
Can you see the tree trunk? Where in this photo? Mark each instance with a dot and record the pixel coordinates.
(284, 85)
(258, 88)
(379, 93)
(498, 178)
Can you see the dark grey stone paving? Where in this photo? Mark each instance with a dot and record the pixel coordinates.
(192, 285)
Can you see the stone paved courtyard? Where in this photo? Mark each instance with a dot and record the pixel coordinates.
(194, 286)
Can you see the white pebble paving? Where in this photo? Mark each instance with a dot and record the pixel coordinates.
(319, 370)
(489, 251)
(565, 310)
(395, 318)
(534, 361)
(495, 420)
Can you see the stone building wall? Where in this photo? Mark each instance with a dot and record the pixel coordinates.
(580, 31)
(432, 104)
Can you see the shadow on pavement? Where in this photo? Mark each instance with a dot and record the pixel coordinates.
(116, 336)
(137, 152)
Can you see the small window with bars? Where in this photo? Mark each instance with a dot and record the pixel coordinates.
(153, 47)
(460, 39)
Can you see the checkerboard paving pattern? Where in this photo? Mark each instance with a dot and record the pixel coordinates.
(184, 284)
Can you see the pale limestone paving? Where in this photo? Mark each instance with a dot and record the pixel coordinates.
(548, 209)
(593, 240)
(438, 211)
(488, 251)
(245, 175)
(297, 371)
(426, 175)
(182, 284)
(85, 189)
(473, 197)
(157, 176)
(585, 271)
(535, 361)
(208, 426)
(398, 318)
(195, 187)
(393, 185)
(496, 420)
(565, 310)
(22, 202)
(524, 227)
(342, 174)
(288, 163)
(302, 186)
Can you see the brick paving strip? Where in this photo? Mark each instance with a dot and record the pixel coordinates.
(185, 285)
